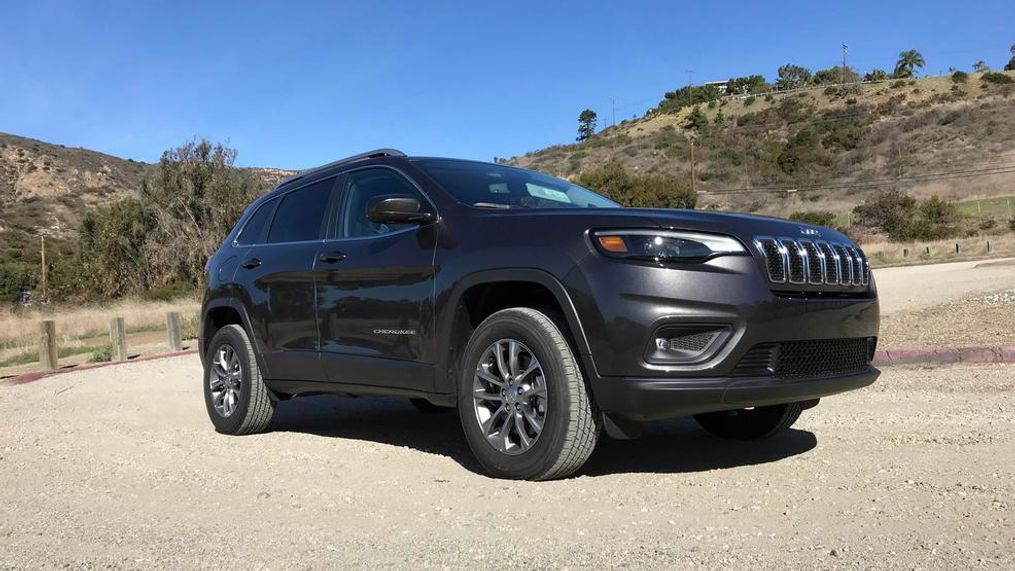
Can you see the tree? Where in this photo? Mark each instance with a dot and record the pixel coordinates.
(908, 63)
(745, 85)
(697, 119)
(981, 67)
(876, 75)
(835, 75)
(586, 124)
(187, 204)
(1011, 62)
(792, 77)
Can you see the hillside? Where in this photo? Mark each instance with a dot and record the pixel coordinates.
(826, 148)
(46, 189)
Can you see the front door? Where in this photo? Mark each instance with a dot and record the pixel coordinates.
(375, 289)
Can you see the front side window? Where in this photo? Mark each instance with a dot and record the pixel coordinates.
(497, 186)
(363, 189)
(255, 228)
(299, 216)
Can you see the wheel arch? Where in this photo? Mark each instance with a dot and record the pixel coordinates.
(482, 293)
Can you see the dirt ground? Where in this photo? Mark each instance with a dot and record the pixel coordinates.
(119, 467)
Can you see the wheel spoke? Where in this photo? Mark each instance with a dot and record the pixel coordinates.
(513, 365)
(482, 394)
(502, 367)
(533, 366)
(520, 427)
(535, 391)
(534, 422)
(488, 376)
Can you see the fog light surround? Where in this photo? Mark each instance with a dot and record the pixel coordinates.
(686, 344)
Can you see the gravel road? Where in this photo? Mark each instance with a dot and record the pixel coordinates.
(119, 467)
(912, 288)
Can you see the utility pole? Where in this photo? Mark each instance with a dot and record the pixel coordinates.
(613, 111)
(842, 73)
(44, 284)
(690, 73)
(694, 175)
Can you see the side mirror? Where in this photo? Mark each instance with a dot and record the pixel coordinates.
(398, 210)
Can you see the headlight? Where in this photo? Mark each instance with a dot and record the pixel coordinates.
(664, 245)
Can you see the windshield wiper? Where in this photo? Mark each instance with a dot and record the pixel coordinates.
(497, 205)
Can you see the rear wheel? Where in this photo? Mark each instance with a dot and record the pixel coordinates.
(522, 399)
(234, 392)
(750, 423)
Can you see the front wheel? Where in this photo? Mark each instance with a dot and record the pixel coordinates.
(750, 423)
(522, 399)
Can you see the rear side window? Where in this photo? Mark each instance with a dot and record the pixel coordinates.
(254, 230)
(299, 216)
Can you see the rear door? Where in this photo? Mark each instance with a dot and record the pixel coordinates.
(376, 288)
(279, 278)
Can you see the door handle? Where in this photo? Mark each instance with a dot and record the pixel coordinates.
(331, 257)
(251, 263)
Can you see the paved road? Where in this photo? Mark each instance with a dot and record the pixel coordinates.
(119, 467)
(917, 287)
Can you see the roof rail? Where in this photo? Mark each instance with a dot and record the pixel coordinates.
(376, 153)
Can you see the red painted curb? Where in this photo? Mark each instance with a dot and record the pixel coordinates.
(1001, 354)
(32, 377)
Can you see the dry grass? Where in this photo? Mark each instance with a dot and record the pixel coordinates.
(911, 253)
(19, 327)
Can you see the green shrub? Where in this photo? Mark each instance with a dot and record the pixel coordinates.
(997, 78)
(897, 84)
(101, 355)
(749, 101)
(169, 292)
(960, 77)
(816, 217)
(646, 191)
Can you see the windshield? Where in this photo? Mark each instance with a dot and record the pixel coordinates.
(496, 186)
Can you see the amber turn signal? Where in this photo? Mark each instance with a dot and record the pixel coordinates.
(613, 244)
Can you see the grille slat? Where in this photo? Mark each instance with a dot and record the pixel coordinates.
(808, 359)
(811, 262)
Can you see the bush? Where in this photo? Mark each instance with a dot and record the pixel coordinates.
(897, 84)
(997, 78)
(648, 191)
(101, 355)
(816, 217)
(960, 77)
(901, 217)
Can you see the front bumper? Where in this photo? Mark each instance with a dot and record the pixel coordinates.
(641, 399)
(623, 307)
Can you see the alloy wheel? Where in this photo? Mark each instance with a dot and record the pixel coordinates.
(225, 379)
(509, 395)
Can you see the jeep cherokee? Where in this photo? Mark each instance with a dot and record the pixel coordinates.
(540, 310)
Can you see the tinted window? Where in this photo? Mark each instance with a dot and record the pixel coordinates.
(362, 191)
(253, 232)
(484, 184)
(299, 216)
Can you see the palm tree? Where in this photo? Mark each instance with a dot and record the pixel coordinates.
(907, 64)
(1011, 62)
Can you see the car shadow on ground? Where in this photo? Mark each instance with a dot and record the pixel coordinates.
(672, 446)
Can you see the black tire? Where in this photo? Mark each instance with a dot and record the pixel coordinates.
(570, 426)
(254, 407)
(750, 424)
(427, 407)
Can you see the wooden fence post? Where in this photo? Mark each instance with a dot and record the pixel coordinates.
(173, 332)
(118, 338)
(47, 345)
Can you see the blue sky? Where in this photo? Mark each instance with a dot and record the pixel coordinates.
(296, 84)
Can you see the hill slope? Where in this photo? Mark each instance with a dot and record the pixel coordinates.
(819, 148)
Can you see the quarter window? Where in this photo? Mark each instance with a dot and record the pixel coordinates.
(301, 213)
(253, 231)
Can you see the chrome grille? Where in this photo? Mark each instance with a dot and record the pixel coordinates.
(815, 262)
